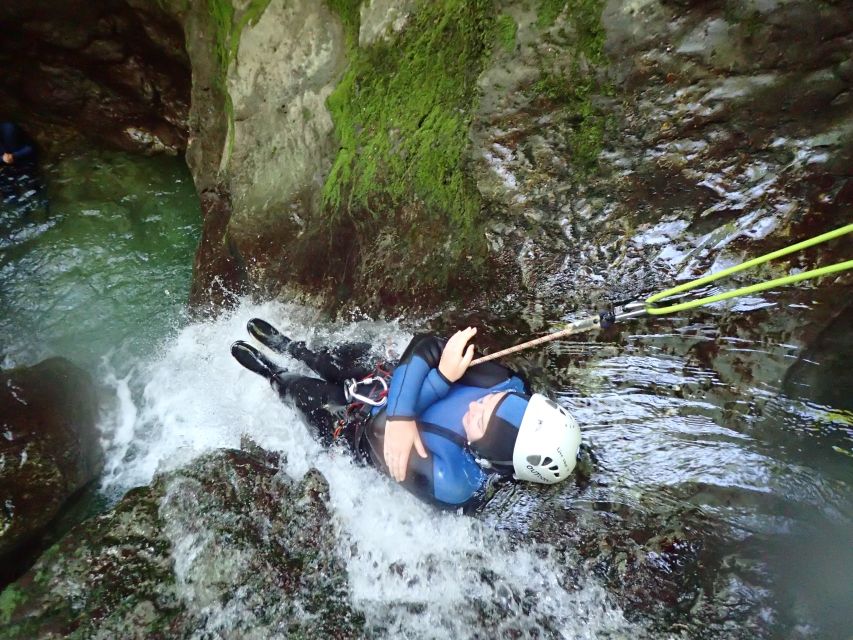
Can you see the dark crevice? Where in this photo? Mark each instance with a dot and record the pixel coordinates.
(97, 69)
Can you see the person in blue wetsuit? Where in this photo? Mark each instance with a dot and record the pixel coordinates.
(446, 431)
(17, 148)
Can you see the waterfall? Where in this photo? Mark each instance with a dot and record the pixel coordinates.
(413, 571)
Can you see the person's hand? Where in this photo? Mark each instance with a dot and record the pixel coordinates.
(8, 158)
(455, 358)
(400, 436)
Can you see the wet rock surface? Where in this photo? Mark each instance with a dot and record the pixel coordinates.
(49, 451)
(668, 563)
(225, 547)
(723, 135)
(608, 148)
(831, 383)
(663, 568)
(711, 474)
(116, 72)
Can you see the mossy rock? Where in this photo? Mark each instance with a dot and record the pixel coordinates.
(223, 546)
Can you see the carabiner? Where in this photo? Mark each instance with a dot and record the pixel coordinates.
(351, 391)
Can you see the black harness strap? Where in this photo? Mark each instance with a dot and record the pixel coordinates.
(445, 433)
(504, 467)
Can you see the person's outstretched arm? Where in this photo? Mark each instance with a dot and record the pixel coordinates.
(24, 153)
(421, 360)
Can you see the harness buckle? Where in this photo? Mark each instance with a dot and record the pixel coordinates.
(484, 463)
(352, 395)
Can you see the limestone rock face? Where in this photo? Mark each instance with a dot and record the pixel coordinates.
(260, 135)
(226, 547)
(49, 447)
(379, 17)
(286, 66)
(583, 146)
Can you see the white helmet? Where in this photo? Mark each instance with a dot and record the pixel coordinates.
(546, 449)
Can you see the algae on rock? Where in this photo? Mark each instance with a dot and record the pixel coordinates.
(402, 114)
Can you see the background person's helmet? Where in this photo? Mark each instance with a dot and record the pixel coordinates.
(546, 449)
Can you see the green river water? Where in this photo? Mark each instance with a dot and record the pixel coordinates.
(98, 261)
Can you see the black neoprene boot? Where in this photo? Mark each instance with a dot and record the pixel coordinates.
(254, 360)
(268, 335)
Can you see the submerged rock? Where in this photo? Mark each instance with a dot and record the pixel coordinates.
(822, 373)
(226, 547)
(49, 450)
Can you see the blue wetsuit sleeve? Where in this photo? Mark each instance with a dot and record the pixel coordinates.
(24, 153)
(435, 387)
(405, 387)
(456, 478)
(411, 377)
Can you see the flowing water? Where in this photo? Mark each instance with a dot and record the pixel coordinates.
(762, 478)
(414, 572)
(678, 450)
(746, 490)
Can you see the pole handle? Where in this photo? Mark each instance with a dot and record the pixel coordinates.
(587, 324)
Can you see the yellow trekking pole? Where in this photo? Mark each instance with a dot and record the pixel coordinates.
(637, 309)
(651, 309)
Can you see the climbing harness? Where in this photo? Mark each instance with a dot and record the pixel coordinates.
(624, 311)
(360, 404)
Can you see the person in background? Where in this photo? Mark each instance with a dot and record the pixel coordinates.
(22, 190)
(17, 147)
(443, 429)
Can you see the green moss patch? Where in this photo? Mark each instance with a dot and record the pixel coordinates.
(549, 11)
(228, 26)
(402, 114)
(574, 87)
(349, 11)
(11, 597)
(506, 30)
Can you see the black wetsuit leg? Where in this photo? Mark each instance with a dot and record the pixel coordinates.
(336, 364)
(322, 403)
